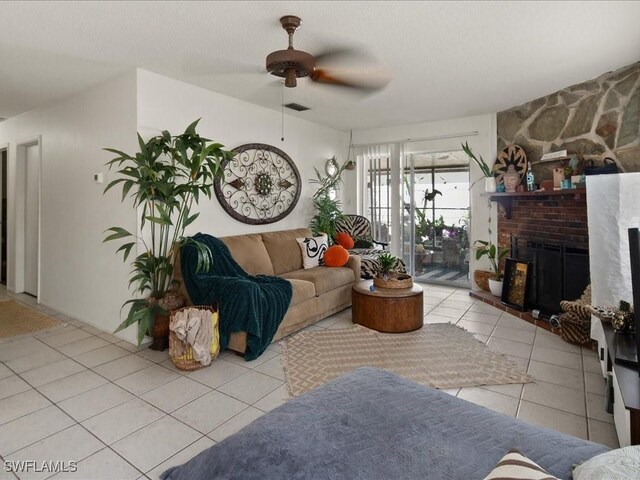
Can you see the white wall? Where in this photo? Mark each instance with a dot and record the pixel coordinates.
(82, 277)
(167, 104)
(79, 275)
(483, 144)
(613, 206)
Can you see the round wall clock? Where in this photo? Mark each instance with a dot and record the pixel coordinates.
(510, 155)
(260, 184)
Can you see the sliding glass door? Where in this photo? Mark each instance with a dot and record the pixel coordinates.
(418, 202)
(436, 217)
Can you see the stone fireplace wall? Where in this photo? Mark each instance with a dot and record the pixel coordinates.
(598, 118)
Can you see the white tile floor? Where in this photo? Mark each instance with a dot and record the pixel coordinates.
(77, 393)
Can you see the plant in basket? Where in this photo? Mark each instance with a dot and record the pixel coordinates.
(386, 262)
(164, 180)
(495, 255)
(387, 276)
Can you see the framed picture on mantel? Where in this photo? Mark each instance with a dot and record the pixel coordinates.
(517, 280)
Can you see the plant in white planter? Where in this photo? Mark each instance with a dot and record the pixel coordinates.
(495, 255)
(489, 179)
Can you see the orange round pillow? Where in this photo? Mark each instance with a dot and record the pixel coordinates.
(336, 256)
(345, 240)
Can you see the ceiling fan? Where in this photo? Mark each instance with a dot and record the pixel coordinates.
(292, 64)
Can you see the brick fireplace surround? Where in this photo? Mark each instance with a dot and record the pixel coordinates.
(557, 216)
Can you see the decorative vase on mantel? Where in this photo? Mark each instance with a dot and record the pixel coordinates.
(490, 184)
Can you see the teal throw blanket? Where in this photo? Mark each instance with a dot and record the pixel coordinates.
(255, 305)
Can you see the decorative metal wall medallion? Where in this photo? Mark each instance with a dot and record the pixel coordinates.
(261, 184)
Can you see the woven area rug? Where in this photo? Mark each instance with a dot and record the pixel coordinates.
(16, 319)
(439, 355)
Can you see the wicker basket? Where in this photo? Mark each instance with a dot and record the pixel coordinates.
(482, 279)
(181, 354)
(575, 328)
(398, 281)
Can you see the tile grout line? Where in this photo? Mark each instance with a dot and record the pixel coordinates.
(62, 430)
(80, 424)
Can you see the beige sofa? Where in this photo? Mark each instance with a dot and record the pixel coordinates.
(317, 292)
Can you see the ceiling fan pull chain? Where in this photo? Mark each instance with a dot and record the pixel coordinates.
(282, 112)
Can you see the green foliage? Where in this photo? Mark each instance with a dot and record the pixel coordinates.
(328, 210)
(486, 171)
(326, 183)
(386, 261)
(163, 180)
(624, 306)
(493, 253)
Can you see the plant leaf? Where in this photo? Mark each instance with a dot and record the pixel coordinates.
(117, 233)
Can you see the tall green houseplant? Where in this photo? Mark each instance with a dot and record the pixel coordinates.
(164, 181)
(328, 209)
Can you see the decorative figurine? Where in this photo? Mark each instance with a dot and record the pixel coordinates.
(511, 179)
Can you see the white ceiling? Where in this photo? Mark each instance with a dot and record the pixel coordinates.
(448, 59)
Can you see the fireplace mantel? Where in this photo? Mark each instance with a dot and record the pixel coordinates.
(506, 198)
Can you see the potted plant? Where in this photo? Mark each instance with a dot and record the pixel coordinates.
(386, 275)
(495, 255)
(386, 261)
(165, 180)
(328, 208)
(489, 179)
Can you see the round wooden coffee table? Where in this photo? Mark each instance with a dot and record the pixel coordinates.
(387, 310)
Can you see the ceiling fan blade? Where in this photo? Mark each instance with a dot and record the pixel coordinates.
(339, 55)
(358, 80)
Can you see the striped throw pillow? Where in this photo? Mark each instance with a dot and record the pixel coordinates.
(515, 466)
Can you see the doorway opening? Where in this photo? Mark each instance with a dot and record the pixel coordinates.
(27, 219)
(3, 219)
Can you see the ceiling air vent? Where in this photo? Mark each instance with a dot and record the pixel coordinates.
(297, 107)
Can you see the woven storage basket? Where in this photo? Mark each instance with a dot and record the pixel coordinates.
(181, 354)
(482, 279)
(399, 281)
(575, 328)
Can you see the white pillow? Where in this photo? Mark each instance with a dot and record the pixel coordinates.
(619, 464)
(313, 249)
(515, 466)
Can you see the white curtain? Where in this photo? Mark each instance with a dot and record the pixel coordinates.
(376, 172)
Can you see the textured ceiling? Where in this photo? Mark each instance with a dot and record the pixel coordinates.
(448, 59)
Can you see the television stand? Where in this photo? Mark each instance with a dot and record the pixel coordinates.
(626, 391)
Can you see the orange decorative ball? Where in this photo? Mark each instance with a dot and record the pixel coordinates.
(336, 256)
(344, 239)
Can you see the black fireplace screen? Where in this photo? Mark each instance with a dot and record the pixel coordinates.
(560, 271)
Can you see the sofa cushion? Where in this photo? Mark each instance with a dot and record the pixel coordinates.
(312, 249)
(283, 249)
(324, 279)
(250, 253)
(302, 290)
(516, 466)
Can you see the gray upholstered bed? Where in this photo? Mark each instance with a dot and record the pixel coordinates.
(374, 425)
